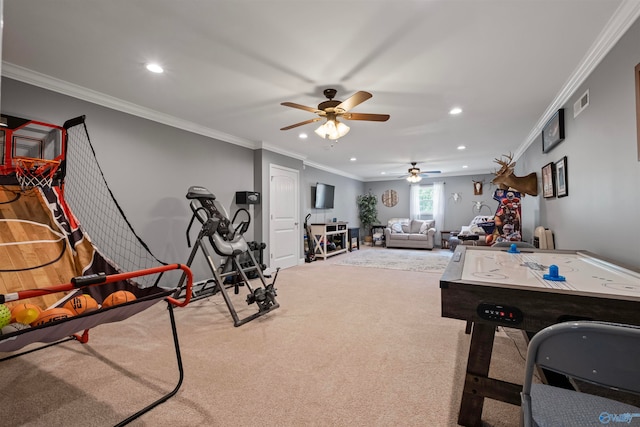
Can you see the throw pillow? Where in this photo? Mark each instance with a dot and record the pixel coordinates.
(396, 227)
(424, 227)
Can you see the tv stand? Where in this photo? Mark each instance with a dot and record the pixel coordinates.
(334, 232)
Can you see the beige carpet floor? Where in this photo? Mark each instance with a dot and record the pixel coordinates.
(349, 346)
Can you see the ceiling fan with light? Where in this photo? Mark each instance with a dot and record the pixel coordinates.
(332, 110)
(415, 175)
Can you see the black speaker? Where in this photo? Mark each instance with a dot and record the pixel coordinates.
(247, 198)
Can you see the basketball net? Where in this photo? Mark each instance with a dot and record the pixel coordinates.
(32, 172)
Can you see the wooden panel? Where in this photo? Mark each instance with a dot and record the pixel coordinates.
(32, 264)
(540, 309)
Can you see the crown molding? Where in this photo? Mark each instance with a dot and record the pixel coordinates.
(333, 171)
(44, 81)
(626, 14)
(34, 78)
(278, 150)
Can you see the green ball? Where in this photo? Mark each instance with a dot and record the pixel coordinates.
(5, 316)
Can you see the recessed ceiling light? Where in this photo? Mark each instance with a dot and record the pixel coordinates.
(462, 147)
(455, 110)
(155, 68)
(383, 173)
(353, 159)
(464, 166)
(302, 136)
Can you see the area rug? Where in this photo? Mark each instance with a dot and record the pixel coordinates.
(398, 259)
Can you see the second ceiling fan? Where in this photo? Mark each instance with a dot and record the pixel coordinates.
(415, 175)
(332, 110)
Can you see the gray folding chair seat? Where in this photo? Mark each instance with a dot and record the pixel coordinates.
(600, 353)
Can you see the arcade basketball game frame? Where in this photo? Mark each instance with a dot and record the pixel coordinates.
(33, 170)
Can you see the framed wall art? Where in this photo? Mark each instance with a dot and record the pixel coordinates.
(553, 131)
(548, 180)
(562, 185)
(477, 187)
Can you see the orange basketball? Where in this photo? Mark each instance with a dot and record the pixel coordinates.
(52, 315)
(25, 313)
(118, 297)
(80, 304)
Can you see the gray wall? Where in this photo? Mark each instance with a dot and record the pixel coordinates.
(346, 193)
(148, 166)
(457, 213)
(600, 214)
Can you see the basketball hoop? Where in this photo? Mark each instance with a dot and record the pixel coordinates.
(32, 172)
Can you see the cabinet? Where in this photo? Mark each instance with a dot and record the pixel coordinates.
(354, 239)
(445, 235)
(329, 236)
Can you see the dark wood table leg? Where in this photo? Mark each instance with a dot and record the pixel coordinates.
(477, 365)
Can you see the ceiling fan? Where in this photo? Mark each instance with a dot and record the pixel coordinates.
(415, 175)
(332, 109)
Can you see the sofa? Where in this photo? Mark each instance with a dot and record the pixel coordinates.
(409, 233)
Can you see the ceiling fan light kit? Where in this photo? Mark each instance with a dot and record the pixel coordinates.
(415, 174)
(329, 130)
(332, 128)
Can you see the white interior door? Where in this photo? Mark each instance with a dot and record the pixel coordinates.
(284, 218)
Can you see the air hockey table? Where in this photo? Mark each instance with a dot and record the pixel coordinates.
(493, 286)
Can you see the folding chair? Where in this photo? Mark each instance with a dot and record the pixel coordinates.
(604, 354)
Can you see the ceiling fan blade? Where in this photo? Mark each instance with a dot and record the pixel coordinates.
(432, 172)
(365, 116)
(300, 107)
(302, 123)
(355, 99)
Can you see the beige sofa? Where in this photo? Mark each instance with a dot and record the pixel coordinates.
(406, 233)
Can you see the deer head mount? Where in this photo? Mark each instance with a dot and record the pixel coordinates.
(505, 179)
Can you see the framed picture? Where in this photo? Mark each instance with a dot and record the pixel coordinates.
(562, 185)
(477, 188)
(548, 180)
(553, 131)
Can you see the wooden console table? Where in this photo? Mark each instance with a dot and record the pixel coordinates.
(334, 232)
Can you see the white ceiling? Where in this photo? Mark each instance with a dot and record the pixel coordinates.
(229, 64)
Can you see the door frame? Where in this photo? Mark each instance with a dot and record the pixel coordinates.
(298, 245)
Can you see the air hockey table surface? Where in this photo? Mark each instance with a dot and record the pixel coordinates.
(582, 271)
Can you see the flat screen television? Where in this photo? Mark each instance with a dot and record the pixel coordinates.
(324, 196)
